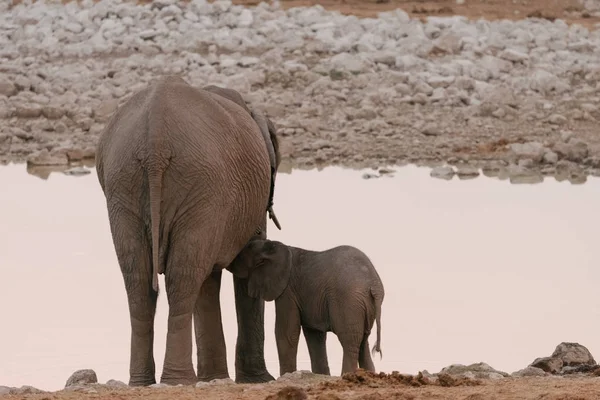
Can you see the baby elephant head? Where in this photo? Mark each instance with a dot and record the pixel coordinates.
(267, 265)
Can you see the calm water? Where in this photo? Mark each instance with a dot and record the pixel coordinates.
(474, 270)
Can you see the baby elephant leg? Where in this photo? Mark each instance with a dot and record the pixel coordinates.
(316, 341)
(364, 357)
(351, 342)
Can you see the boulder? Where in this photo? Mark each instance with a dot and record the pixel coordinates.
(568, 357)
(82, 377)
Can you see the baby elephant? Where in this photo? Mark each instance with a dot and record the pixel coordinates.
(335, 290)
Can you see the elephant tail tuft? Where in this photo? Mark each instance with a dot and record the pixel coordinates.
(378, 297)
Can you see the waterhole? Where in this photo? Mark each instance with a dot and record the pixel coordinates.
(474, 270)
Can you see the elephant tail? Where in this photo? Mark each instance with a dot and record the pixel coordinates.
(378, 297)
(155, 183)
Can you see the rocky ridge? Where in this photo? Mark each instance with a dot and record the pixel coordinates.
(520, 98)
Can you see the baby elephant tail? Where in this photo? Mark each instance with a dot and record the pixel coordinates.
(378, 297)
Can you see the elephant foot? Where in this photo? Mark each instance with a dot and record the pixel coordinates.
(179, 379)
(141, 381)
(260, 378)
(208, 378)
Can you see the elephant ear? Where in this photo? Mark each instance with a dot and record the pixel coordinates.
(271, 274)
(270, 137)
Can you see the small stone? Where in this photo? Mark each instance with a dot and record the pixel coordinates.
(44, 158)
(431, 129)
(301, 375)
(248, 61)
(74, 27)
(26, 390)
(467, 172)
(159, 385)
(77, 171)
(550, 157)
(499, 113)
(116, 384)
(448, 43)
(440, 81)
(367, 175)
(348, 62)
(245, 19)
(532, 150)
(557, 119)
(289, 393)
(221, 382)
(423, 87)
(31, 111)
(445, 173)
(7, 88)
(53, 112)
(548, 364)
(513, 55)
(148, 34)
(82, 376)
(575, 150)
(529, 371)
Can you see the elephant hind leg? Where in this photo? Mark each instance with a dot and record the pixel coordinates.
(364, 357)
(210, 341)
(189, 263)
(351, 341)
(134, 254)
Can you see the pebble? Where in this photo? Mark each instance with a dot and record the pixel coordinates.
(445, 173)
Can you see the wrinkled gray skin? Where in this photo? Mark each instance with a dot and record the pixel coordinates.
(336, 290)
(186, 174)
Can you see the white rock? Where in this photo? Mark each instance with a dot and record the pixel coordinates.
(245, 19)
(513, 55)
(530, 150)
(348, 62)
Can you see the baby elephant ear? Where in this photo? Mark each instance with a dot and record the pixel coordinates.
(271, 275)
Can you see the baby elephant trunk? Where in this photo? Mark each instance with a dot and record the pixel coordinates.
(378, 298)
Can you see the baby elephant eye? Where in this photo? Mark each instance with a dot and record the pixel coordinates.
(258, 231)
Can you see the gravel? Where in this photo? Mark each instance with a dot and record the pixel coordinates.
(341, 90)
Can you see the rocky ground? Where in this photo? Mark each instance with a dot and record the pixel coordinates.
(518, 97)
(570, 373)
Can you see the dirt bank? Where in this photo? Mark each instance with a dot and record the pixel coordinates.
(354, 389)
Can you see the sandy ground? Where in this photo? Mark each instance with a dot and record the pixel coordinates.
(397, 387)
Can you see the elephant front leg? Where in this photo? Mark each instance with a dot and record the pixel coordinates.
(249, 349)
(316, 341)
(287, 333)
(210, 341)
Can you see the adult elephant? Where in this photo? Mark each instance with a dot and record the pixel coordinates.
(188, 175)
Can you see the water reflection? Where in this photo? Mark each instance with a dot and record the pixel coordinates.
(475, 270)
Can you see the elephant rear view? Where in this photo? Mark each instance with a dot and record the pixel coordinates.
(188, 175)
